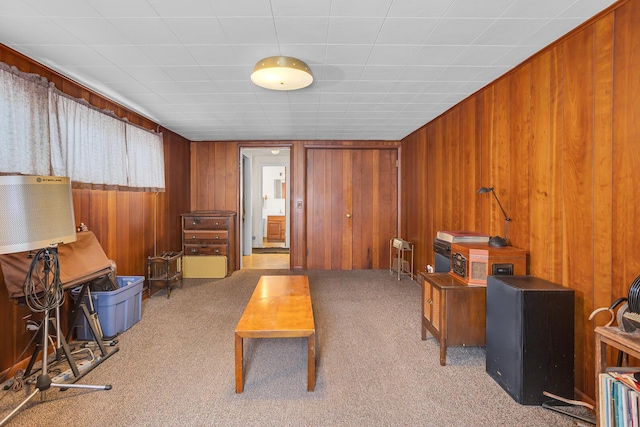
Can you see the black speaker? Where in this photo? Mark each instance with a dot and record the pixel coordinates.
(530, 333)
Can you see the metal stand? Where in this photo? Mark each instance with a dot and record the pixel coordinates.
(400, 264)
(51, 289)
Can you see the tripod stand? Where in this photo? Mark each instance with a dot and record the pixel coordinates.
(43, 295)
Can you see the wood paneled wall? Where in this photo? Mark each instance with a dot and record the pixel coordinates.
(558, 139)
(123, 222)
(215, 181)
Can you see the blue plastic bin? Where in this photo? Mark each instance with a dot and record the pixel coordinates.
(117, 310)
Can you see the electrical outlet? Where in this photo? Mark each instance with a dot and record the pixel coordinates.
(26, 324)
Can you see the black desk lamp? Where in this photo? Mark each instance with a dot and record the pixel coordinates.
(497, 241)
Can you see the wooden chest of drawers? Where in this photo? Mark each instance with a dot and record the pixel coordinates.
(210, 233)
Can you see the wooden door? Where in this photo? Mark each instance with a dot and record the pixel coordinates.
(352, 209)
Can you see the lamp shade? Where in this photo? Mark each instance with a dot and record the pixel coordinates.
(281, 73)
(35, 212)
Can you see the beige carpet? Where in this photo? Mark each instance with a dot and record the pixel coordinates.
(176, 366)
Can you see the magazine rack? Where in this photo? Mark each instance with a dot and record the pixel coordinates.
(402, 262)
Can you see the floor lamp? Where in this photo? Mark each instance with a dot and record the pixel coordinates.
(36, 213)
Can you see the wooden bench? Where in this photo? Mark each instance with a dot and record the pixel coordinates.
(280, 307)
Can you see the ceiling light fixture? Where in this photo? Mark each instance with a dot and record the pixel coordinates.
(275, 151)
(281, 73)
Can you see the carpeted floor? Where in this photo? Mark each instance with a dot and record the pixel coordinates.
(176, 366)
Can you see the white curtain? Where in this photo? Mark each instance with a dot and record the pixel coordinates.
(146, 159)
(45, 132)
(24, 124)
(87, 145)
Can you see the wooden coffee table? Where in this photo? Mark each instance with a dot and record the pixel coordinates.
(280, 307)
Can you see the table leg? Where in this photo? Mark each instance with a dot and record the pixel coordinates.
(239, 380)
(443, 352)
(601, 363)
(311, 361)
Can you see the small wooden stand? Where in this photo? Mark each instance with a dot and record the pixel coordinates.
(165, 270)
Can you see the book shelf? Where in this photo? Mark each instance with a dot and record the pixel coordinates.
(628, 343)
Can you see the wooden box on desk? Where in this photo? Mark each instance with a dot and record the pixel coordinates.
(472, 263)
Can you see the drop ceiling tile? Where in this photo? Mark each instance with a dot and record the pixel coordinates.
(536, 9)
(458, 31)
(585, 9)
(19, 9)
(251, 30)
(124, 55)
(108, 74)
(172, 8)
(345, 72)
(313, 55)
(481, 55)
(302, 30)
(359, 8)
(423, 8)
(92, 30)
(123, 8)
(552, 31)
(354, 30)
(71, 56)
(489, 74)
(459, 74)
(66, 8)
(23, 30)
(391, 55)
(519, 30)
(197, 30)
(199, 87)
(381, 72)
(406, 30)
(347, 54)
(145, 31)
(144, 74)
(436, 55)
(516, 55)
(223, 73)
(301, 8)
(421, 73)
(249, 8)
(211, 55)
(186, 73)
(477, 9)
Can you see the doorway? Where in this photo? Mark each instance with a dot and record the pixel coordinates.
(352, 210)
(264, 230)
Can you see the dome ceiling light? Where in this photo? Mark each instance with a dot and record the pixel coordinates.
(281, 73)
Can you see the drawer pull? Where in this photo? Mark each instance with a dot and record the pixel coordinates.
(217, 237)
(217, 223)
(430, 301)
(194, 251)
(193, 237)
(194, 223)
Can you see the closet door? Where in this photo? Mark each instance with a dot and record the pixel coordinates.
(351, 208)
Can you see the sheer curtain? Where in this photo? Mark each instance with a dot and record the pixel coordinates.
(146, 159)
(46, 132)
(24, 123)
(87, 145)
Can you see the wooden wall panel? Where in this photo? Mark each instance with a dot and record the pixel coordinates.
(215, 181)
(123, 222)
(578, 178)
(557, 138)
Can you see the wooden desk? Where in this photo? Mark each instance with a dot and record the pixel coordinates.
(280, 307)
(613, 336)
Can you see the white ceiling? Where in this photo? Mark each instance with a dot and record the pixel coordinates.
(382, 68)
